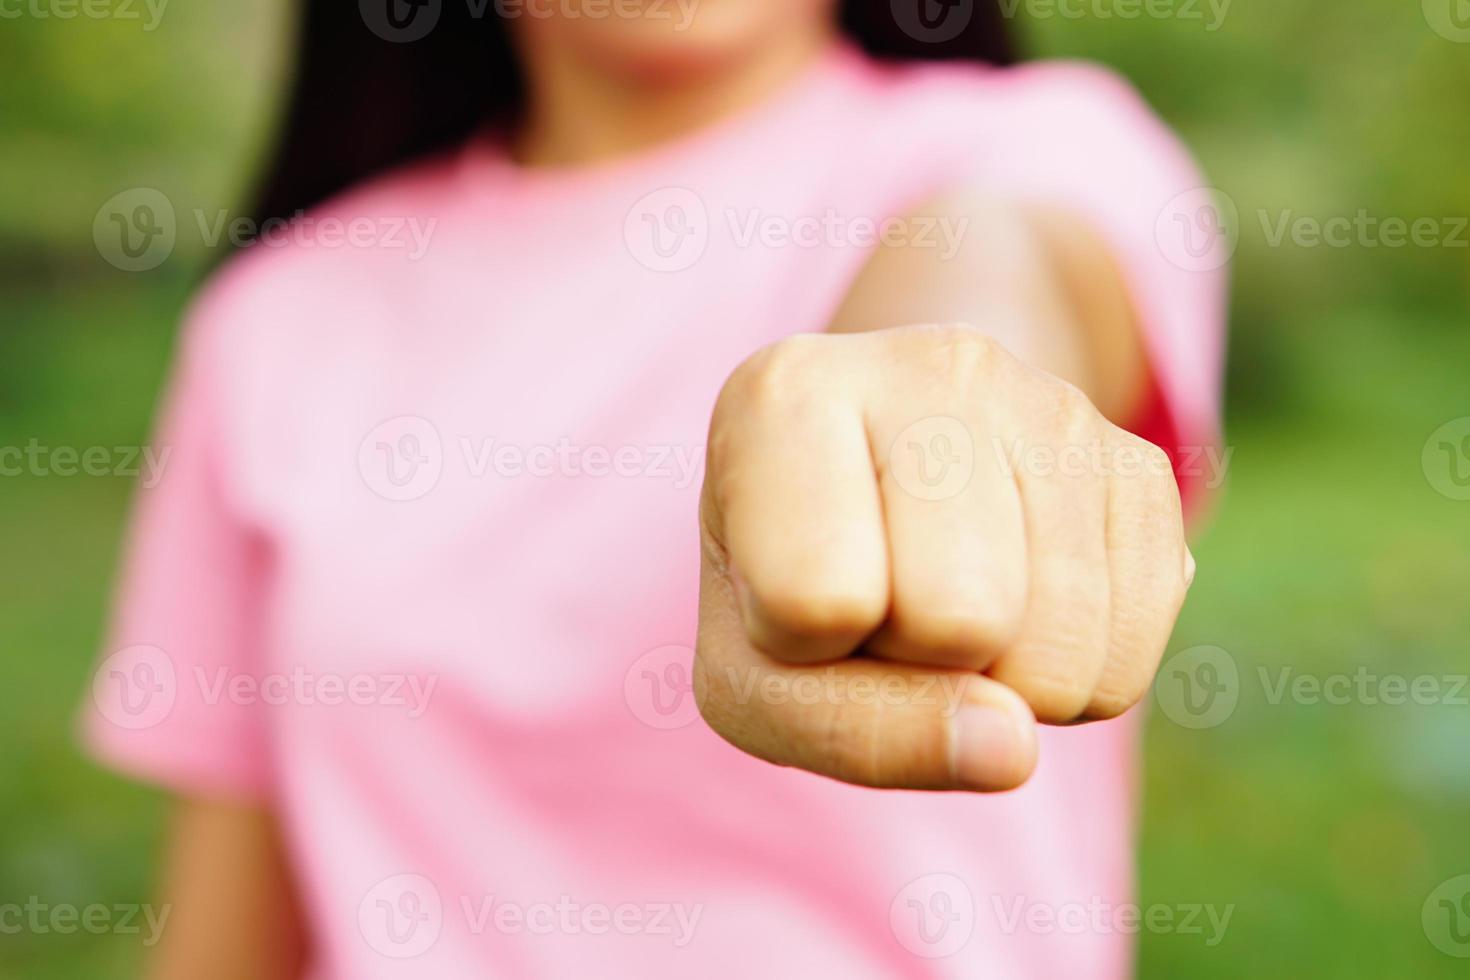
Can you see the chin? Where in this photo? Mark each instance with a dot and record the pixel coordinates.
(673, 40)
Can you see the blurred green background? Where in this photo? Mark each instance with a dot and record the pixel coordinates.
(1327, 826)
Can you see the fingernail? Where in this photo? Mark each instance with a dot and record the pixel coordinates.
(1189, 567)
(985, 746)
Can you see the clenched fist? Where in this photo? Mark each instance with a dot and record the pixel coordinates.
(916, 547)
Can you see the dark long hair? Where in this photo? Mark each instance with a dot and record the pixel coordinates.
(370, 92)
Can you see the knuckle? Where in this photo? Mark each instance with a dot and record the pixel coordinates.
(1060, 418)
(1158, 482)
(1146, 491)
(1053, 699)
(1126, 679)
(1109, 703)
(1146, 467)
(774, 372)
(1157, 463)
(765, 385)
(960, 636)
(1074, 408)
(758, 382)
(1173, 591)
(962, 354)
(819, 610)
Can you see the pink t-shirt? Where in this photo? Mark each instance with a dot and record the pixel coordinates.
(421, 569)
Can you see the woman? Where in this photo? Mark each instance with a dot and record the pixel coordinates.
(408, 622)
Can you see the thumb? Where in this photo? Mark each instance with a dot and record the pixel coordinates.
(860, 720)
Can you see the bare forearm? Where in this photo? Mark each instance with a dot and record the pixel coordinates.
(1041, 282)
(233, 913)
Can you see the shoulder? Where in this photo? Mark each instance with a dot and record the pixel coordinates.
(1056, 87)
(310, 294)
(1016, 117)
(1073, 134)
(344, 252)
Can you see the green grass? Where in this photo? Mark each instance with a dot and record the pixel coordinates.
(72, 833)
(1326, 825)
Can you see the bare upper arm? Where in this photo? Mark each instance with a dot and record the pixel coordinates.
(1040, 281)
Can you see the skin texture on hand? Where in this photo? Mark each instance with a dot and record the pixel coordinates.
(915, 548)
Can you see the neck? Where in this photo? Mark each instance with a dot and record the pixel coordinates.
(581, 113)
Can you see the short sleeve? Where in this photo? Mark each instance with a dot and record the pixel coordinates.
(1078, 136)
(186, 621)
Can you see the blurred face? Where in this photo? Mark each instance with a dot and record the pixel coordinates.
(651, 38)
